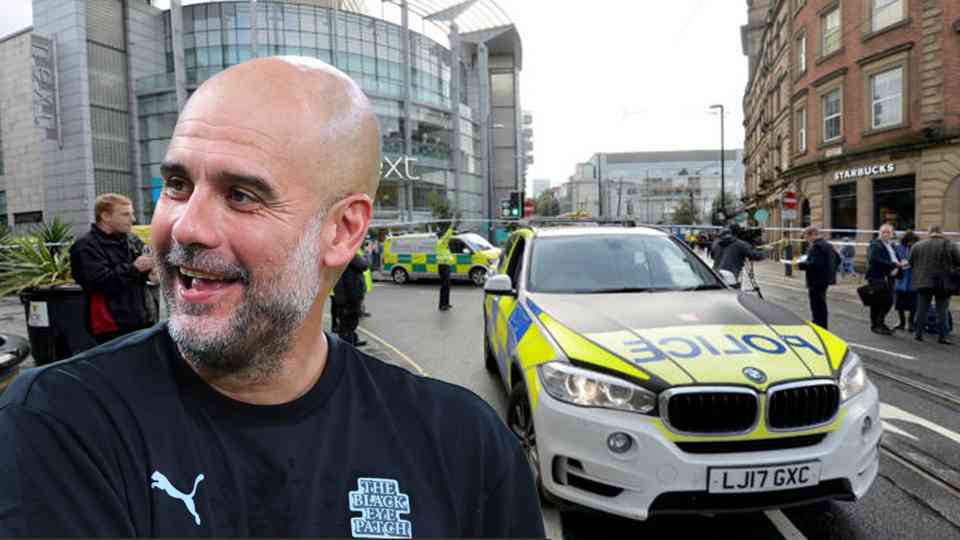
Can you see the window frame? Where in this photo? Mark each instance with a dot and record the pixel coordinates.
(822, 92)
(870, 71)
(821, 21)
(801, 129)
(801, 57)
(871, 10)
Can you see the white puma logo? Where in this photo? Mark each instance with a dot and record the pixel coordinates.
(160, 482)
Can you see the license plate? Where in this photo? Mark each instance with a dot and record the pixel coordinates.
(769, 478)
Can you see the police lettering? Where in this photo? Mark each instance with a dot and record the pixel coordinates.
(691, 347)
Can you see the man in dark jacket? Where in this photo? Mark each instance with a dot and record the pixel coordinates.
(348, 295)
(731, 253)
(110, 264)
(883, 266)
(821, 272)
(931, 259)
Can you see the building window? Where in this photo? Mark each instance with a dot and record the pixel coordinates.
(886, 89)
(23, 218)
(802, 130)
(843, 209)
(895, 202)
(884, 13)
(802, 54)
(832, 115)
(830, 30)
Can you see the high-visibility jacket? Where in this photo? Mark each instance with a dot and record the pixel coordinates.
(443, 248)
(367, 274)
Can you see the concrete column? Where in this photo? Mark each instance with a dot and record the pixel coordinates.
(407, 92)
(484, 114)
(455, 48)
(254, 30)
(176, 35)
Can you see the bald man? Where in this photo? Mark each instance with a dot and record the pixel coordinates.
(239, 416)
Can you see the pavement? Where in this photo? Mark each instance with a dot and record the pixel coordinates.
(772, 272)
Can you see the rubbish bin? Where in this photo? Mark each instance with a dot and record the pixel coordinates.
(13, 351)
(56, 322)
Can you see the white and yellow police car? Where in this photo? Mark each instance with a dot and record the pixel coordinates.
(641, 383)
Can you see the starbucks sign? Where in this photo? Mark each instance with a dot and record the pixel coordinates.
(869, 170)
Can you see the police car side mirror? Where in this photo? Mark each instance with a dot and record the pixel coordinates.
(729, 279)
(500, 284)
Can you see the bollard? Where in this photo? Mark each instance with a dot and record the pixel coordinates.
(788, 260)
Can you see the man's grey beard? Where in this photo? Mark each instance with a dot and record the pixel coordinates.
(272, 309)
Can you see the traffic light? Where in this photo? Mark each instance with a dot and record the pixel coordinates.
(516, 204)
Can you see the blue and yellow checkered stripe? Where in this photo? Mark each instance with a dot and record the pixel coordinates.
(427, 263)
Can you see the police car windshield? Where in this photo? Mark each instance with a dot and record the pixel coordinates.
(619, 263)
(476, 242)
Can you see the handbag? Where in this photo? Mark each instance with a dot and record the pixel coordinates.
(874, 293)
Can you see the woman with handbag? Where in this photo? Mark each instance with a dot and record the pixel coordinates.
(883, 266)
(936, 263)
(906, 298)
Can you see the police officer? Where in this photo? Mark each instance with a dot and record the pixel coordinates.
(730, 252)
(348, 296)
(444, 261)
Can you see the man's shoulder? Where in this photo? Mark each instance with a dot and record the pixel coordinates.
(91, 379)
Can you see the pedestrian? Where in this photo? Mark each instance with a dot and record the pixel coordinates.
(445, 260)
(110, 264)
(348, 295)
(883, 266)
(240, 416)
(731, 253)
(821, 272)
(932, 260)
(905, 301)
(848, 251)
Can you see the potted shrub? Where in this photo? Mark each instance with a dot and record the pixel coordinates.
(37, 268)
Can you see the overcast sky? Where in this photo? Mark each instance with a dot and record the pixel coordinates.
(612, 75)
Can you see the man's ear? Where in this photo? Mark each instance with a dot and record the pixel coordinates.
(347, 223)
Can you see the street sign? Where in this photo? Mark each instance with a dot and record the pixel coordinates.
(761, 216)
(742, 217)
(789, 214)
(789, 200)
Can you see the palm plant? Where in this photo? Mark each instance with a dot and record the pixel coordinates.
(30, 261)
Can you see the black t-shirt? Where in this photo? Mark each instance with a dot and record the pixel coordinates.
(126, 440)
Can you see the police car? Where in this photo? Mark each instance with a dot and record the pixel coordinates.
(642, 383)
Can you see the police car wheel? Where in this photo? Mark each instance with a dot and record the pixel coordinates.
(520, 422)
(478, 276)
(400, 276)
(489, 360)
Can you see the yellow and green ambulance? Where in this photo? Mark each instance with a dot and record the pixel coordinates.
(412, 256)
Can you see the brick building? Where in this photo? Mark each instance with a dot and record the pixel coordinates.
(855, 106)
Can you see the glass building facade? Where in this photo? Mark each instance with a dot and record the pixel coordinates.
(217, 35)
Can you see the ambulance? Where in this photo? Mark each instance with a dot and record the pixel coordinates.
(411, 256)
(642, 383)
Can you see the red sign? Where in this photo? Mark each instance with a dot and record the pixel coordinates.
(789, 200)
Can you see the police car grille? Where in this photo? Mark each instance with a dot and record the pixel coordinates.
(804, 406)
(712, 412)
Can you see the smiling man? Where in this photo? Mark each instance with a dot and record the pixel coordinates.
(240, 416)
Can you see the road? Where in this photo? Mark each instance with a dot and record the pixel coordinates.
(916, 496)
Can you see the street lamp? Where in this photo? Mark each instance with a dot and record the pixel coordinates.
(723, 194)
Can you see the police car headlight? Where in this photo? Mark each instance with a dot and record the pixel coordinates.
(590, 389)
(853, 378)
